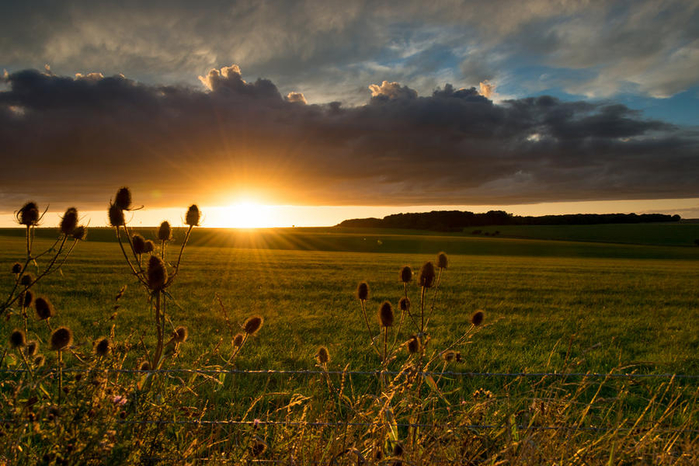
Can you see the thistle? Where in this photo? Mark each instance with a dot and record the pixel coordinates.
(386, 314)
(404, 304)
(116, 216)
(80, 232)
(323, 356)
(102, 347)
(123, 198)
(44, 308)
(427, 274)
(193, 216)
(61, 338)
(156, 273)
(442, 260)
(27, 279)
(238, 340)
(28, 215)
(253, 325)
(69, 221)
(139, 243)
(363, 291)
(477, 318)
(18, 339)
(27, 298)
(406, 274)
(165, 231)
(413, 345)
(16, 268)
(149, 247)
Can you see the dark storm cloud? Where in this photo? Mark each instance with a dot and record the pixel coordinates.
(74, 140)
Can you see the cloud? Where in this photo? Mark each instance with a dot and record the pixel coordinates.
(74, 140)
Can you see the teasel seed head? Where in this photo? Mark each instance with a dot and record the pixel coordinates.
(193, 216)
(397, 449)
(149, 246)
(257, 447)
(165, 231)
(16, 268)
(238, 340)
(18, 339)
(442, 261)
(123, 198)
(449, 356)
(61, 338)
(156, 273)
(69, 221)
(323, 355)
(144, 366)
(32, 348)
(39, 360)
(103, 346)
(116, 216)
(406, 274)
(414, 345)
(80, 232)
(26, 279)
(139, 243)
(27, 298)
(404, 304)
(386, 314)
(426, 279)
(477, 318)
(363, 291)
(28, 215)
(180, 334)
(253, 325)
(44, 308)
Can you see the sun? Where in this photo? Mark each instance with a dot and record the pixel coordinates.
(245, 215)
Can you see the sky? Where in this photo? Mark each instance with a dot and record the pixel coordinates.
(271, 113)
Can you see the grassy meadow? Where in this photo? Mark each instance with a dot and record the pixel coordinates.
(550, 306)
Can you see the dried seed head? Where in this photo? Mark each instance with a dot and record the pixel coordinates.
(449, 356)
(426, 279)
(193, 216)
(156, 273)
(180, 334)
(413, 344)
(442, 260)
(16, 267)
(404, 304)
(27, 298)
(406, 274)
(123, 198)
(386, 314)
(257, 447)
(29, 214)
(103, 346)
(18, 339)
(32, 348)
(238, 340)
(397, 449)
(144, 366)
(253, 325)
(116, 216)
(149, 246)
(61, 338)
(323, 356)
(69, 221)
(44, 308)
(39, 360)
(80, 232)
(363, 291)
(26, 280)
(477, 318)
(139, 243)
(165, 231)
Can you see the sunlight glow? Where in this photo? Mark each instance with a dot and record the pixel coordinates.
(244, 215)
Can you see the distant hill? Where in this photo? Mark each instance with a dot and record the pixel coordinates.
(456, 220)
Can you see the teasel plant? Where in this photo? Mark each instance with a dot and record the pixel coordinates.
(70, 234)
(150, 268)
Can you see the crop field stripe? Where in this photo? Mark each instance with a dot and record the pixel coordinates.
(316, 372)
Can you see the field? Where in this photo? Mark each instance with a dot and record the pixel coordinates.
(550, 306)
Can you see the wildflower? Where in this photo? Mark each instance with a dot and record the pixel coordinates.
(61, 338)
(253, 325)
(386, 314)
(404, 304)
(28, 215)
(477, 318)
(123, 198)
(116, 216)
(442, 260)
(193, 216)
(69, 221)
(363, 291)
(139, 243)
(18, 339)
(323, 356)
(406, 274)
(44, 308)
(426, 278)
(413, 345)
(165, 231)
(156, 273)
(119, 400)
(80, 232)
(102, 347)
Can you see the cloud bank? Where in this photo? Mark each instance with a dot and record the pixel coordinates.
(75, 140)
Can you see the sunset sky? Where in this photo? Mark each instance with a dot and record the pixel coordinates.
(277, 113)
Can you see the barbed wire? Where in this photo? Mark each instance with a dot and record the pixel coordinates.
(374, 372)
